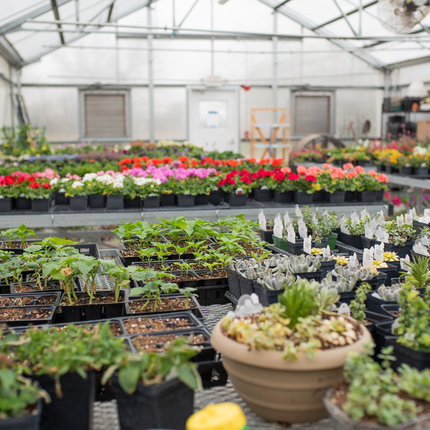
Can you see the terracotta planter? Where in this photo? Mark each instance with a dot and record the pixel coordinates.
(279, 390)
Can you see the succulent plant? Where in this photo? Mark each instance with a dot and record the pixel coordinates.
(391, 256)
(389, 294)
(327, 297)
(303, 264)
(379, 264)
(341, 260)
(316, 251)
(341, 285)
(362, 274)
(322, 259)
(275, 282)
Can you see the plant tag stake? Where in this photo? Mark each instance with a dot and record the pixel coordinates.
(239, 191)
(354, 217)
(314, 219)
(367, 258)
(334, 273)
(287, 219)
(303, 231)
(291, 234)
(409, 219)
(368, 231)
(376, 295)
(343, 227)
(379, 252)
(400, 221)
(353, 261)
(344, 310)
(262, 220)
(373, 224)
(364, 213)
(278, 227)
(419, 248)
(326, 252)
(381, 218)
(403, 264)
(413, 212)
(425, 240)
(396, 324)
(307, 242)
(427, 213)
(298, 212)
(381, 234)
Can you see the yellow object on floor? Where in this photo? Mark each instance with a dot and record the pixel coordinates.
(223, 416)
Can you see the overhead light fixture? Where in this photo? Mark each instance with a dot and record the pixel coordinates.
(222, 1)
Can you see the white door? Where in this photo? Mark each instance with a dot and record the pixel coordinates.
(213, 118)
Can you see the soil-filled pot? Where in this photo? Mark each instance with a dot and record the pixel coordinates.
(61, 199)
(279, 390)
(366, 196)
(266, 236)
(168, 200)
(402, 251)
(27, 422)
(406, 171)
(6, 204)
(202, 199)
(355, 241)
(350, 196)
(96, 201)
(297, 248)
(185, 200)
(78, 203)
(418, 359)
(114, 202)
(132, 203)
(238, 199)
(421, 171)
(151, 202)
(262, 195)
(286, 197)
(216, 197)
(158, 406)
(40, 205)
(280, 243)
(336, 197)
(23, 204)
(75, 409)
(302, 198)
(380, 195)
(318, 196)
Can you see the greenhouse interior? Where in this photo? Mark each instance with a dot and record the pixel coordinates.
(214, 214)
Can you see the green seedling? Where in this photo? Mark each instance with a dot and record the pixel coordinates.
(22, 233)
(146, 253)
(188, 293)
(184, 266)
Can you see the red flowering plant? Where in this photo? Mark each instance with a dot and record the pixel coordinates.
(37, 190)
(303, 181)
(281, 180)
(367, 182)
(9, 187)
(234, 181)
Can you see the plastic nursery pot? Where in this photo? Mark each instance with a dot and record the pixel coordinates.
(280, 243)
(40, 205)
(185, 200)
(327, 266)
(28, 422)
(402, 251)
(75, 409)
(418, 226)
(6, 204)
(114, 202)
(237, 199)
(233, 283)
(284, 197)
(391, 271)
(262, 195)
(368, 243)
(405, 171)
(166, 405)
(202, 199)
(318, 196)
(418, 359)
(351, 240)
(347, 297)
(266, 297)
(366, 196)
(23, 204)
(350, 196)
(336, 197)
(316, 276)
(96, 201)
(216, 197)
(61, 199)
(78, 203)
(266, 236)
(151, 202)
(132, 203)
(421, 171)
(302, 198)
(246, 285)
(380, 195)
(288, 391)
(331, 240)
(373, 304)
(168, 200)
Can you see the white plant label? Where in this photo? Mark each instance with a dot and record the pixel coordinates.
(380, 218)
(238, 191)
(354, 217)
(314, 219)
(334, 273)
(403, 264)
(413, 212)
(368, 231)
(353, 261)
(425, 240)
(307, 245)
(364, 212)
(381, 235)
(326, 252)
(400, 221)
(373, 224)
(291, 235)
(298, 212)
(367, 257)
(278, 227)
(344, 310)
(427, 213)
(419, 248)
(325, 212)
(287, 219)
(343, 227)
(408, 218)
(376, 295)
(303, 231)
(262, 220)
(379, 252)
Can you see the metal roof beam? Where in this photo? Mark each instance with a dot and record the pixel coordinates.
(16, 23)
(79, 35)
(408, 63)
(346, 46)
(57, 18)
(9, 52)
(110, 11)
(347, 14)
(281, 4)
(345, 17)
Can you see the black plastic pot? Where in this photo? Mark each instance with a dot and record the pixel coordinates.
(233, 283)
(114, 202)
(418, 226)
(336, 197)
(368, 243)
(351, 240)
(406, 171)
(382, 333)
(266, 297)
(78, 203)
(366, 196)
(216, 197)
(266, 236)
(421, 171)
(391, 272)
(297, 248)
(302, 198)
(132, 203)
(373, 304)
(375, 283)
(168, 200)
(262, 195)
(418, 359)
(238, 199)
(40, 205)
(380, 195)
(160, 406)
(6, 204)
(151, 202)
(318, 196)
(29, 422)
(61, 199)
(96, 201)
(246, 285)
(23, 204)
(309, 275)
(75, 409)
(284, 197)
(202, 199)
(402, 251)
(185, 200)
(347, 297)
(327, 266)
(350, 196)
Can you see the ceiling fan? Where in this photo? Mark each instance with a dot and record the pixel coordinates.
(400, 16)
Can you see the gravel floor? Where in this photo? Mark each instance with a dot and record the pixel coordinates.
(106, 415)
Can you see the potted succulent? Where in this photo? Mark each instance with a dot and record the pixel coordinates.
(290, 354)
(156, 390)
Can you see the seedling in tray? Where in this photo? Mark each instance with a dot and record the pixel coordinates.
(188, 292)
(185, 267)
(12, 269)
(21, 233)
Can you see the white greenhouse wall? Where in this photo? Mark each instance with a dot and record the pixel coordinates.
(6, 107)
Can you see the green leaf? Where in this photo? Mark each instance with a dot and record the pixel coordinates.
(189, 376)
(129, 377)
